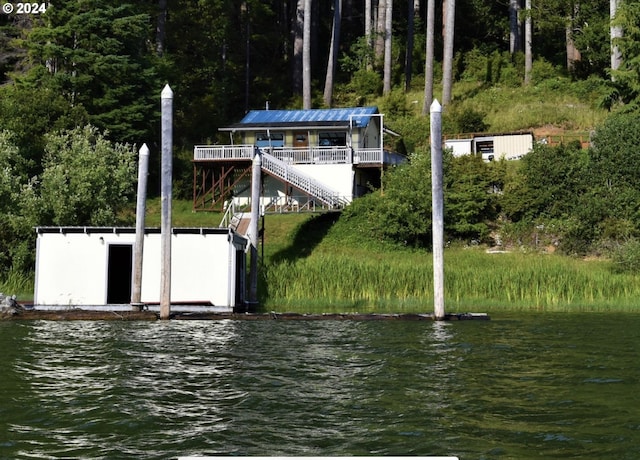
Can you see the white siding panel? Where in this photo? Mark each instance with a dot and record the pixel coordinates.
(459, 146)
(512, 146)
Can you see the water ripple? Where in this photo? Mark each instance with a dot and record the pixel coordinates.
(518, 388)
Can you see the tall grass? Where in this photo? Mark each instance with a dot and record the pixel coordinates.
(19, 284)
(403, 282)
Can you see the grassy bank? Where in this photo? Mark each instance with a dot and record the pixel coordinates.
(315, 272)
(18, 284)
(310, 266)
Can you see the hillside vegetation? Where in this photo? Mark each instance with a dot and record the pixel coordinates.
(74, 111)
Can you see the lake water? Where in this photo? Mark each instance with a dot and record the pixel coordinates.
(518, 386)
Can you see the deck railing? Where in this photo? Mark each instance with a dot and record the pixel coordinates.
(313, 155)
(300, 155)
(223, 152)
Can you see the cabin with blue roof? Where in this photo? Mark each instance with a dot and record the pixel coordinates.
(311, 159)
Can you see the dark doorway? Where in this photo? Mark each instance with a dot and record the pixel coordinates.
(241, 263)
(119, 273)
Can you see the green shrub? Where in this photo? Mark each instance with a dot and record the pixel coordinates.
(467, 119)
(365, 82)
(543, 70)
(626, 257)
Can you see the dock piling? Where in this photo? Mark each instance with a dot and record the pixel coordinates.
(437, 197)
(166, 196)
(143, 172)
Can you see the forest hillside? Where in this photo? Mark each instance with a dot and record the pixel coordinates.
(80, 85)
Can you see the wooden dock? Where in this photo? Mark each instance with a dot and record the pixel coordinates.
(146, 315)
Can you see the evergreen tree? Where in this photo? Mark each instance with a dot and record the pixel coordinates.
(96, 56)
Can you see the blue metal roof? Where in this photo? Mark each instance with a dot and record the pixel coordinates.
(360, 116)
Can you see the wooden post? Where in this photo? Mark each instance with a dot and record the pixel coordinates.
(256, 173)
(165, 197)
(437, 197)
(143, 172)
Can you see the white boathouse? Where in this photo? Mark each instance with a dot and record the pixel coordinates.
(92, 268)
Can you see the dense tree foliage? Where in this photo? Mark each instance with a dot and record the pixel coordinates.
(108, 63)
(90, 62)
(401, 212)
(85, 180)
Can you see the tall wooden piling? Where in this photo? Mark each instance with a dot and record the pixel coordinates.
(256, 174)
(437, 197)
(165, 197)
(143, 172)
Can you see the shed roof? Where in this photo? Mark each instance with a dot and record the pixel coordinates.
(310, 118)
(124, 230)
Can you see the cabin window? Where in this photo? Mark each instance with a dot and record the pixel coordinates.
(277, 139)
(332, 139)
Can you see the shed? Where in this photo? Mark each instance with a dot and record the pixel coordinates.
(92, 267)
(459, 147)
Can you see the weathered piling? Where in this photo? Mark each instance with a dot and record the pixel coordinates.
(437, 197)
(166, 196)
(256, 175)
(143, 172)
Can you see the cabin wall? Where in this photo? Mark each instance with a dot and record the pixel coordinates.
(359, 138)
(338, 177)
(370, 137)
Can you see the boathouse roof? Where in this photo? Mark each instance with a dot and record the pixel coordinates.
(310, 118)
(118, 230)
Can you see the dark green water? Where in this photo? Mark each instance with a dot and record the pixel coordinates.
(530, 386)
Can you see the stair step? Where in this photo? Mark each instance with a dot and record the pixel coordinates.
(243, 226)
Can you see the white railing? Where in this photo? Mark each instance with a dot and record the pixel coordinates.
(313, 155)
(299, 155)
(301, 181)
(223, 152)
(368, 156)
(295, 203)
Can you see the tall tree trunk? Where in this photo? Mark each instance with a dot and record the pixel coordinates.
(528, 52)
(447, 59)
(161, 27)
(616, 34)
(388, 34)
(333, 52)
(573, 54)
(247, 57)
(413, 9)
(380, 30)
(367, 28)
(428, 62)
(515, 39)
(298, 40)
(306, 57)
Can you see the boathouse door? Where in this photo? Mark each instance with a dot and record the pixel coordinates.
(119, 273)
